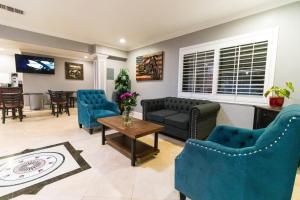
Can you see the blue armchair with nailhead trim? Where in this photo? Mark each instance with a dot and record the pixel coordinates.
(241, 164)
(92, 104)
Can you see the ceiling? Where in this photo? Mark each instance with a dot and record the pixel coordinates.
(140, 22)
(9, 47)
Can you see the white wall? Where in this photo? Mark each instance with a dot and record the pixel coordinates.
(287, 18)
(44, 82)
(236, 115)
(110, 84)
(7, 66)
(7, 63)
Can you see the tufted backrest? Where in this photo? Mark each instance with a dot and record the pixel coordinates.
(94, 98)
(182, 104)
(233, 137)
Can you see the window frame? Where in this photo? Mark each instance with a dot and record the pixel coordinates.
(271, 35)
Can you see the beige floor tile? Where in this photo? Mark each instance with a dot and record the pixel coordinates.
(111, 176)
(104, 198)
(47, 197)
(118, 183)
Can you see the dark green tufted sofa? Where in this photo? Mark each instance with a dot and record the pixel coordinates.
(182, 118)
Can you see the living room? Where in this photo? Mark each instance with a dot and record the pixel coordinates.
(143, 100)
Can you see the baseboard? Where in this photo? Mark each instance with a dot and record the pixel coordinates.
(138, 115)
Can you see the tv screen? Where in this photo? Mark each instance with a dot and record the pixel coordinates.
(34, 64)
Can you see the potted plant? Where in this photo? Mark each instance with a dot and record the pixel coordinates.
(278, 94)
(122, 85)
(129, 100)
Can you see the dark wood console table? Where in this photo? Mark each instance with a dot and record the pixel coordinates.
(264, 115)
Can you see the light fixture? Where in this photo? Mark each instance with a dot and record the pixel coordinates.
(86, 57)
(122, 40)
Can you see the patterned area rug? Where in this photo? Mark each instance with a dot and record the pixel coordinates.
(29, 171)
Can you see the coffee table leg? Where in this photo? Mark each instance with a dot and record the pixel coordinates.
(156, 140)
(103, 135)
(133, 152)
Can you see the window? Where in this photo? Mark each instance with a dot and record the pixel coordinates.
(197, 75)
(236, 69)
(242, 69)
(188, 73)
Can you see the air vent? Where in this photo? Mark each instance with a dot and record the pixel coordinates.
(12, 9)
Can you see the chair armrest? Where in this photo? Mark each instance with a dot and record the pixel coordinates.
(200, 161)
(203, 119)
(84, 105)
(150, 105)
(209, 148)
(85, 112)
(222, 131)
(112, 106)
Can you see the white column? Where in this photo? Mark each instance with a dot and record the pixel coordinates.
(100, 71)
(95, 65)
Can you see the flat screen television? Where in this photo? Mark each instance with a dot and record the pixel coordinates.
(34, 64)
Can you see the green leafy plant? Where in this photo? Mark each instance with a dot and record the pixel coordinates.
(281, 92)
(122, 83)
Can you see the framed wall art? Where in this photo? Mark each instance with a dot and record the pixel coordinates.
(149, 67)
(74, 71)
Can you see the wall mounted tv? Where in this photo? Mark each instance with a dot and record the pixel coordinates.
(34, 64)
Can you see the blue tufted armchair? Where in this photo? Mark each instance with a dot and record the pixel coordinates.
(92, 104)
(241, 164)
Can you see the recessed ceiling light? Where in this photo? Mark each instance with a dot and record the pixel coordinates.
(1, 49)
(86, 57)
(122, 40)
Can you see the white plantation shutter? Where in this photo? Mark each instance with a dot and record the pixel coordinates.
(236, 70)
(242, 69)
(188, 72)
(204, 72)
(197, 72)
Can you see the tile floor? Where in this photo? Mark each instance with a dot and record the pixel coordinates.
(111, 176)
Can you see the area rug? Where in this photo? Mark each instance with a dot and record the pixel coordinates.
(29, 171)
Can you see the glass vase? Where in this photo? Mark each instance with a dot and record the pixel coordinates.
(127, 117)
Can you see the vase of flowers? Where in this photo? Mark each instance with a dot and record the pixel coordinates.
(129, 100)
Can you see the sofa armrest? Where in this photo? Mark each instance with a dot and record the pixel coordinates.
(150, 105)
(206, 109)
(203, 119)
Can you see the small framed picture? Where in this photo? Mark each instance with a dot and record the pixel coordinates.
(74, 71)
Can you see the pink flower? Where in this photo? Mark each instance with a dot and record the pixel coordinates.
(126, 95)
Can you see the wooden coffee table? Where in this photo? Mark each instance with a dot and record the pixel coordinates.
(126, 141)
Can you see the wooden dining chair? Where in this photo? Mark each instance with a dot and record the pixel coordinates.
(71, 99)
(13, 101)
(59, 101)
(9, 90)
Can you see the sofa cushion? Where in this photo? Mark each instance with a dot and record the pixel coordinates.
(160, 115)
(180, 120)
(103, 113)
